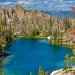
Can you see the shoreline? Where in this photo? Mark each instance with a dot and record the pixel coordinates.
(72, 46)
(70, 71)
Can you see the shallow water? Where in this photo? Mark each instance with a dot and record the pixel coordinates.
(30, 54)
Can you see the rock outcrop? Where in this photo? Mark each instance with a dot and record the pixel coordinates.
(64, 72)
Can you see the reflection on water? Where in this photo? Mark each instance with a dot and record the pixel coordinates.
(43, 41)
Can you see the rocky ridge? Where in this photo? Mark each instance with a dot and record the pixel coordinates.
(29, 22)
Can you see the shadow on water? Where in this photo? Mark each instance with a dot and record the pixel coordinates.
(1, 62)
(3, 57)
(1, 67)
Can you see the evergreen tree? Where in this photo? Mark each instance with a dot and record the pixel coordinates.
(41, 71)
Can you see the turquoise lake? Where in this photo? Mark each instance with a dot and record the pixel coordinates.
(30, 54)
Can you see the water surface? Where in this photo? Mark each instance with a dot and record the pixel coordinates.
(30, 54)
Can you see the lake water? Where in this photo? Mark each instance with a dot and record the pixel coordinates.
(30, 54)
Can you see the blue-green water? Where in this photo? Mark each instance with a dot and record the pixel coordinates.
(30, 54)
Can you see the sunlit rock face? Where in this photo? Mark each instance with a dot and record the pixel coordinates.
(3, 12)
(19, 11)
(63, 72)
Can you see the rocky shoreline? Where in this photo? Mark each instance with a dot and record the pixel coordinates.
(70, 71)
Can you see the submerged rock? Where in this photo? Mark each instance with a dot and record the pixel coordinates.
(7, 59)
